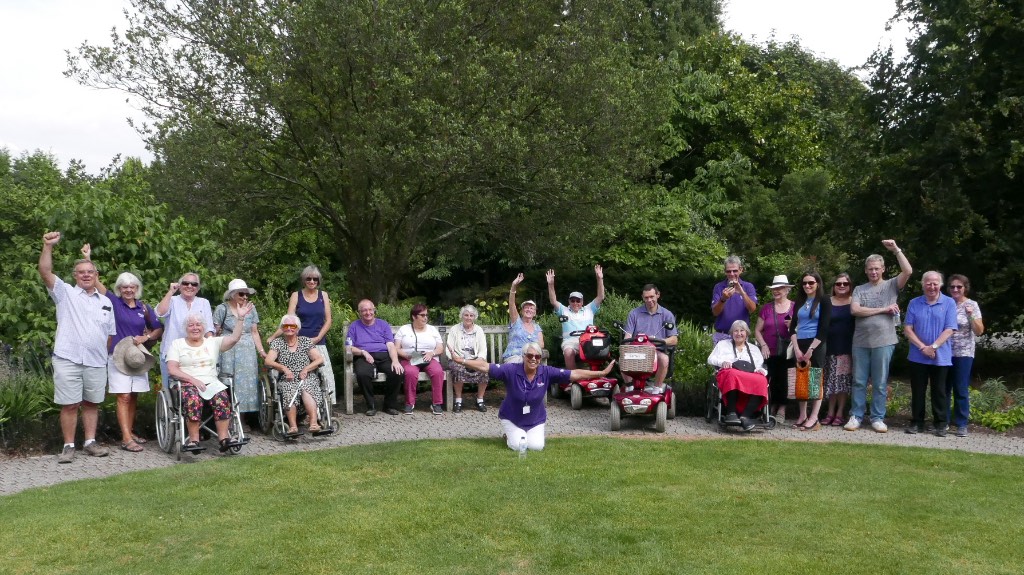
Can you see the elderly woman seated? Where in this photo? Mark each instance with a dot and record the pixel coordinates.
(741, 376)
(296, 358)
(192, 360)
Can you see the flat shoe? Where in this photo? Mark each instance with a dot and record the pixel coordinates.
(132, 446)
(827, 421)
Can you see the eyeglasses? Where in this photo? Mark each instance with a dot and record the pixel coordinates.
(808, 283)
(368, 310)
(575, 299)
(842, 284)
(532, 356)
(955, 287)
(85, 272)
(314, 280)
(189, 284)
(289, 326)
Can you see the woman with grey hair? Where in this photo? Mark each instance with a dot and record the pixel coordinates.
(241, 362)
(522, 414)
(312, 306)
(741, 376)
(296, 359)
(468, 341)
(136, 322)
(172, 309)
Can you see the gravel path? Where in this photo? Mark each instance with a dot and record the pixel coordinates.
(17, 474)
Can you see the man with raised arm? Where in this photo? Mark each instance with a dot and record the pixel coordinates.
(85, 321)
(732, 299)
(876, 314)
(579, 316)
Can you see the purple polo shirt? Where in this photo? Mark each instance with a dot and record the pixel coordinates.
(520, 392)
(374, 338)
(929, 320)
(734, 308)
(642, 321)
(130, 321)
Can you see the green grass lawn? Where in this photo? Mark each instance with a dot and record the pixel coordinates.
(592, 505)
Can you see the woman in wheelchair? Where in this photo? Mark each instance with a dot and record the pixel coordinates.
(741, 376)
(192, 360)
(296, 360)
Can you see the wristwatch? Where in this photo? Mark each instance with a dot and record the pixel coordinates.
(935, 346)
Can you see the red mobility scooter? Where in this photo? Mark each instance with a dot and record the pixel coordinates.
(638, 359)
(595, 350)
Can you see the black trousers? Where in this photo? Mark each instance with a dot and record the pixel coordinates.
(364, 372)
(732, 398)
(925, 378)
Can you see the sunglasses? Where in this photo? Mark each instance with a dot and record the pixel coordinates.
(531, 356)
(421, 315)
(314, 280)
(808, 283)
(190, 284)
(575, 299)
(956, 287)
(842, 284)
(289, 326)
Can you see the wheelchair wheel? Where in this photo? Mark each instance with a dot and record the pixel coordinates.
(616, 417)
(164, 421)
(672, 406)
(661, 412)
(555, 392)
(710, 402)
(266, 413)
(576, 396)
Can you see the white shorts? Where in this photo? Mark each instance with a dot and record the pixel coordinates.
(571, 343)
(74, 383)
(124, 383)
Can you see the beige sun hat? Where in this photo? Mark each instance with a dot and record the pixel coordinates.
(780, 281)
(237, 285)
(131, 359)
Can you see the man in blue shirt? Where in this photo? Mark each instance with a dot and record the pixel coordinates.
(579, 316)
(650, 319)
(931, 321)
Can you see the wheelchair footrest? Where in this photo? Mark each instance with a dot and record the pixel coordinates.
(194, 450)
(323, 431)
(238, 442)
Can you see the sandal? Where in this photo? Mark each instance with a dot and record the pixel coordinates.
(838, 421)
(315, 428)
(827, 421)
(815, 427)
(225, 444)
(293, 431)
(799, 424)
(132, 446)
(139, 440)
(191, 445)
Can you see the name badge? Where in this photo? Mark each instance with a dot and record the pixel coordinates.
(526, 409)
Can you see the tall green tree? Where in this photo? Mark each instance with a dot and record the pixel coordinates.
(949, 158)
(403, 130)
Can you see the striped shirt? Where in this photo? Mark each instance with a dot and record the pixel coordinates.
(84, 321)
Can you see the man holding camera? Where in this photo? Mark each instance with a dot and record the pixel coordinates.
(732, 299)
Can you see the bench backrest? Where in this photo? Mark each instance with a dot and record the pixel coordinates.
(496, 336)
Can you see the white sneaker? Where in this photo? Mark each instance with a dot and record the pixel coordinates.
(879, 426)
(853, 424)
(654, 390)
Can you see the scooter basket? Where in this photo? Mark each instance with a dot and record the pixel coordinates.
(637, 358)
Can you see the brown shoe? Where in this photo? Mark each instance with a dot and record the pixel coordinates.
(96, 450)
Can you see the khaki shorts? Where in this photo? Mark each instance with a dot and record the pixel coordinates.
(571, 343)
(74, 383)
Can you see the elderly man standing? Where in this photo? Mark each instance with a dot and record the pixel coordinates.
(372, 345)
(578, 316)
(651, 319)
(732, 299)
(85, 321)
(876, 316)
(931, 321)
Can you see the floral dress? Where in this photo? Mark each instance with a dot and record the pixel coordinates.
(241, 361)
(296, 361)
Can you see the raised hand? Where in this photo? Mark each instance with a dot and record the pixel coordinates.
(518, 280)
(550, 275)
(599, 272)
(51, 238)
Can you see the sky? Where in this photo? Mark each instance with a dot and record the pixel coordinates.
(40, 109)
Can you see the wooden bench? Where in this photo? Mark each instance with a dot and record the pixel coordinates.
(497, 340)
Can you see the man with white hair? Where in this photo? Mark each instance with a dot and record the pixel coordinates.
(931, 321)
(578, 316)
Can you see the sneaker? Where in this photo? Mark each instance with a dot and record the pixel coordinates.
(391, 411)
(436, 408)
(371, 412)
(961, 431)
(731, 418)
(912, 429)
(96, 450)
(408, 410)
(67, 454)
(879, 426)
(481, 407)
(654, 390)
(942, 431)
(748, 424)
(458, 407)
(853, 424)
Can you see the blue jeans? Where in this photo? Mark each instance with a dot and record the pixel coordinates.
(873, 363)
(958, 391)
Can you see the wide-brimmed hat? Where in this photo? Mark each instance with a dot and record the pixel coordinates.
(131, 359)
(780, 281)
(237, 285)
(576, 294)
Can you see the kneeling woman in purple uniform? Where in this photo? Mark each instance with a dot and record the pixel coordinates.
(522, 413)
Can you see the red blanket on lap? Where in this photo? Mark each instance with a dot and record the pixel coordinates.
(748, 384)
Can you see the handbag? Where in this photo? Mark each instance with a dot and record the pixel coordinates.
(779, 340)
(804, 382)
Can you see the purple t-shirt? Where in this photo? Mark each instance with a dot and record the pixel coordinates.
(130, 321)
(373, 338)
(521, 393)
(735, 308)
